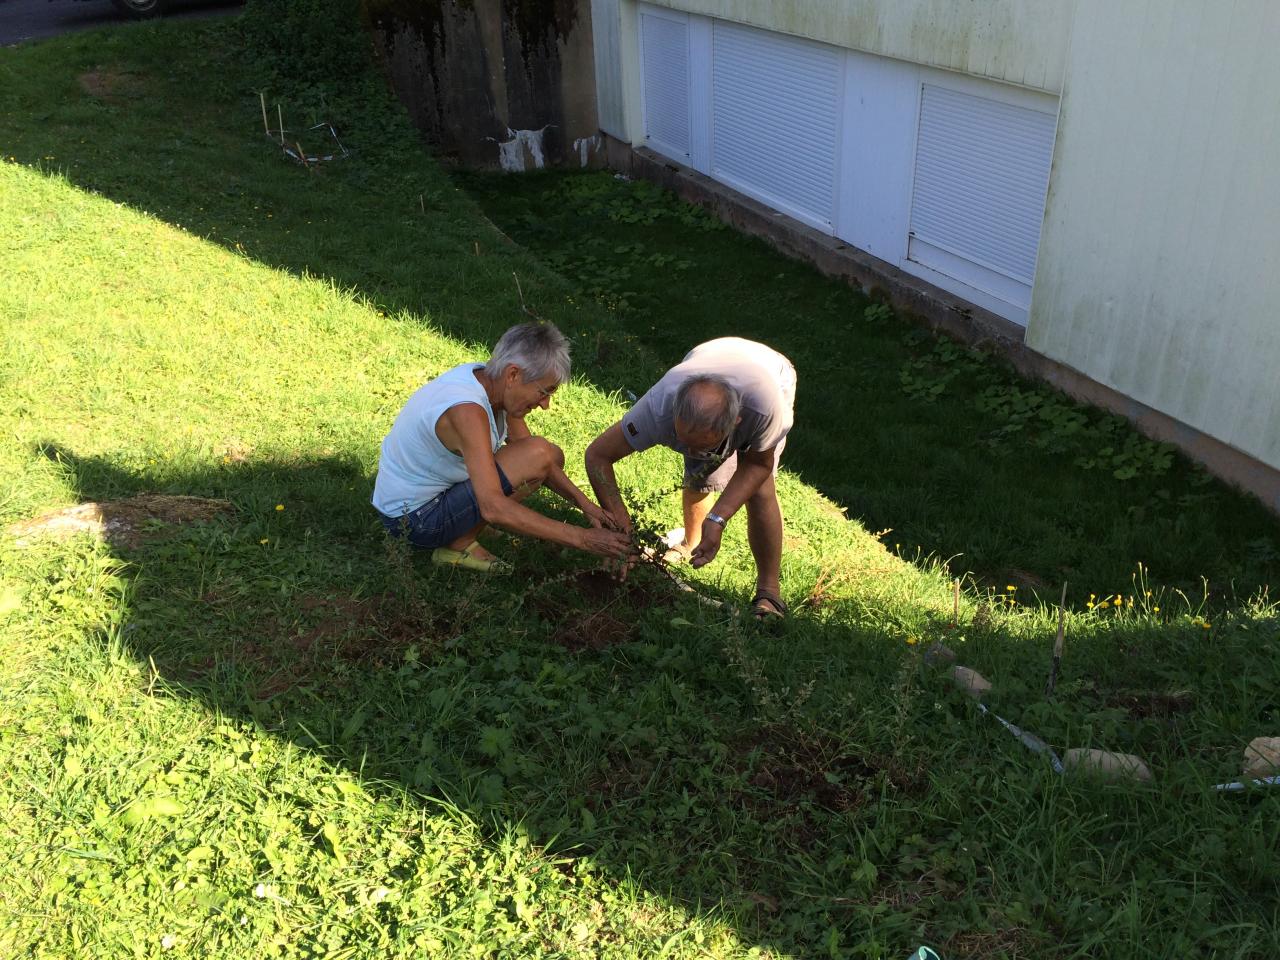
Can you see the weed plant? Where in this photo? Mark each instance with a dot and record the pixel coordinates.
(274, 734)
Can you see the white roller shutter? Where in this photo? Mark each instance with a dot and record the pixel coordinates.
(775, 114)
(981, 173)
(664, 42)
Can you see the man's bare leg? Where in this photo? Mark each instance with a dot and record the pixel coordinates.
(526, 463)
(695, 505)
(764, 534)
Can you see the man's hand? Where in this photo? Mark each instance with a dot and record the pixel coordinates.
(708, 546)
(607, 543)
(597, 517)
(619, 519)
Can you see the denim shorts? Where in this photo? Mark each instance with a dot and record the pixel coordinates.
(443, 518)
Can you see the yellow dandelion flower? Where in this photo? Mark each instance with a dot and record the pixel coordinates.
(1155, 609)
(911, 641)
(264, 540)
(1089, 604)
(1010, 587)
(279, 506)
(1206, 624)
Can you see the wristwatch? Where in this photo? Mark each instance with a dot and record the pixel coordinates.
(716, 518)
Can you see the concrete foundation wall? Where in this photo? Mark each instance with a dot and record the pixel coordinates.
(494, 83)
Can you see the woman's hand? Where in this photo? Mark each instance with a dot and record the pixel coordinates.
(607, 543)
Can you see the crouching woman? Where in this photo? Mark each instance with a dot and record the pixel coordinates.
(460, 456)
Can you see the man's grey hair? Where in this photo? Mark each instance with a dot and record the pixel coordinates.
(538, 349)
(706, 401)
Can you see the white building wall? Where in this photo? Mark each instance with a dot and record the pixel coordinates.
(937, 173)
(1159, 271)
(1023, 42)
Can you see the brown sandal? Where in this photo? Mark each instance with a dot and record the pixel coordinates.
(776, 610)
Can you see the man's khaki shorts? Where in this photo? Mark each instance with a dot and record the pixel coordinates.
(718, 479)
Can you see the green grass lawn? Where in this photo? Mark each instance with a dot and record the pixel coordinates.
(269, 734)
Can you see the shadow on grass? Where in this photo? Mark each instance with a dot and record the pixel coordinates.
(650, 735)
(622, 724)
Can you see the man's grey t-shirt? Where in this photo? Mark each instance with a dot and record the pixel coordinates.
(763, 377)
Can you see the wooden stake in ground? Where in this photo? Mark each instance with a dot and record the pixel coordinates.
(1057, 644)
(280, 120)
(266, 127)
(955, 604)
(523, 305)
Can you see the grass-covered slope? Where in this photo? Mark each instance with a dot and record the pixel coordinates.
(267, 734)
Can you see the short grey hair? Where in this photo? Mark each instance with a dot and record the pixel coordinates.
(538, 349)
(707, 401)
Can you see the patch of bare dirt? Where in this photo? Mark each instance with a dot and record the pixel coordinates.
(790, 768)
(1143, 705)
(783, 778)
(1023, 579)
(122, 523)
(373, 631)
(234, 450)
(1009, 944)
(111, 85)
(594, 611)
(780, 769)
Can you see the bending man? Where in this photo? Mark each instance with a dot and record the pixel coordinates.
(727, 407)
(460, 455)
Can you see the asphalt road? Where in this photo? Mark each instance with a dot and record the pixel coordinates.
(35, 19)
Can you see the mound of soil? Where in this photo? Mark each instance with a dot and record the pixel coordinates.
(593, 611)
(374, 631)
(781, 777)
(794, 768)
(123, 523)
(1142, 705)
(111, 85)
(364, 629)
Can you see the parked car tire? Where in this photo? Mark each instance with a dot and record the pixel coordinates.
(141, 9)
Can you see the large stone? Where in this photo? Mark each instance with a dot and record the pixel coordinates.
(971, 682)
(1262, 758)
(1105, 765)
(939, 654)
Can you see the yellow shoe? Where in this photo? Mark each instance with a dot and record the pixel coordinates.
(466, 559)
